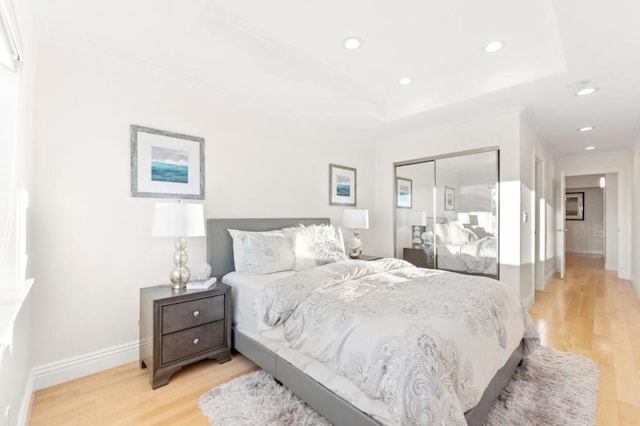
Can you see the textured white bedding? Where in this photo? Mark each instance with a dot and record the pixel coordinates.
(245, 286)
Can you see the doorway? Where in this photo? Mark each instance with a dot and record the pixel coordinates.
(539, 232)
(591, 220)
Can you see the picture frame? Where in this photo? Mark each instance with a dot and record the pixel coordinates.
(574, 206)
(449, 198)
(166, 164)
(404, 193)
(343, 186)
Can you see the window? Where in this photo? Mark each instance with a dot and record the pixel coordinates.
(11, 243)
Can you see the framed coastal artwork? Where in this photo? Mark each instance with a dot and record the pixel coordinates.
(166, 165)
(574, 206)
(404, 189)
(449, 198)
(342, 186)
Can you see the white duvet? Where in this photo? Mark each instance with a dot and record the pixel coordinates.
(425, 342)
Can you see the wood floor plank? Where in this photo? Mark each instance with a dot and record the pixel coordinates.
(591, 313)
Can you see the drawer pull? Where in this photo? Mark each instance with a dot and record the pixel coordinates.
(196, 313)
(196, 341)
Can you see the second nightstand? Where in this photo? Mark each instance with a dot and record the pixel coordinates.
(418, 257)
(179, 327)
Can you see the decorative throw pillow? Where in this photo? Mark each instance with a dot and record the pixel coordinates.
(456, 234)
(316, 245)
(442, 233)
(261, 252)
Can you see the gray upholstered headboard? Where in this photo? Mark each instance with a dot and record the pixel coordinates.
(220, 244)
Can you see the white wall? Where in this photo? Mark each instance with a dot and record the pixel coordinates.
(532, 148)
(585, 181)
(501, 130)
(635, 271)
(587, 236)
(620, 163)
(92, 245)
(611, 222)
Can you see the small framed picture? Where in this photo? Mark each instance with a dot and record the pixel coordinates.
(574, 206)
(404, 189)
(166, 165)
(342, 186)
(449, 198)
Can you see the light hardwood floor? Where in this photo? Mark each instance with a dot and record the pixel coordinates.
(591, 313)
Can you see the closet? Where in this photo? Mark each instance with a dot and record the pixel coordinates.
(446, 212)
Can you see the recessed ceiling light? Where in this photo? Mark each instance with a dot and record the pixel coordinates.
(494, 46)
(405, 80)
(586, 91)
(586, 129)
(352, 43)
(590, 148)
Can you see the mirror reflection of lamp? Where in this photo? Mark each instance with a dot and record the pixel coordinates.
(417, 219)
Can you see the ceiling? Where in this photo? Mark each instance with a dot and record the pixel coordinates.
(287, 56)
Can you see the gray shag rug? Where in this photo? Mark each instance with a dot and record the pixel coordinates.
(549, 388)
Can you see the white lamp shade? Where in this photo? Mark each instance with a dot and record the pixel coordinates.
(417, 218)
(178, 220)
(355, 218)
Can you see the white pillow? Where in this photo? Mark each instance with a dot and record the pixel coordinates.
(262, 252)
(316, 245)
(442, 233)
(456, 233)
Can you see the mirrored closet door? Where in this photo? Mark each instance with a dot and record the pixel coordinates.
(447, 212)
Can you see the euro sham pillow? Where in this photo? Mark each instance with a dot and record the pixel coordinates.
(262, 252)
(316, 245)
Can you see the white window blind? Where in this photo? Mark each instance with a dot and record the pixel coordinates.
(8, 190)
(9, 50)
(9, 229)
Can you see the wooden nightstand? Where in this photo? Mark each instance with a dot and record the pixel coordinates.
(179, 327)
(418, 257)
(368, 257)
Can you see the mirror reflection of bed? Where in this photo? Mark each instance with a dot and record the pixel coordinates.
(452, 221)
(462, 247)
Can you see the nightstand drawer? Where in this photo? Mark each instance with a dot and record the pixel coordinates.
(189, 342)
(179, 316)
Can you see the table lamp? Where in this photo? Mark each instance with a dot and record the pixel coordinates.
(179, 220)
(355, 219)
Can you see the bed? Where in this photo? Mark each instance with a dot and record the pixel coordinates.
(465, 250)
(333, 396)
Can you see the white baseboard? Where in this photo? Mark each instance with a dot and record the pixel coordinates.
(549, 277)
(591, 253)
(610, 266)
(528, 302)
(25, 406)
(83, 365)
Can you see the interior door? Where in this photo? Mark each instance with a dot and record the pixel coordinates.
(561, 226)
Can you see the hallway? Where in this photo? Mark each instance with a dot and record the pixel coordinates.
(595, 314)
